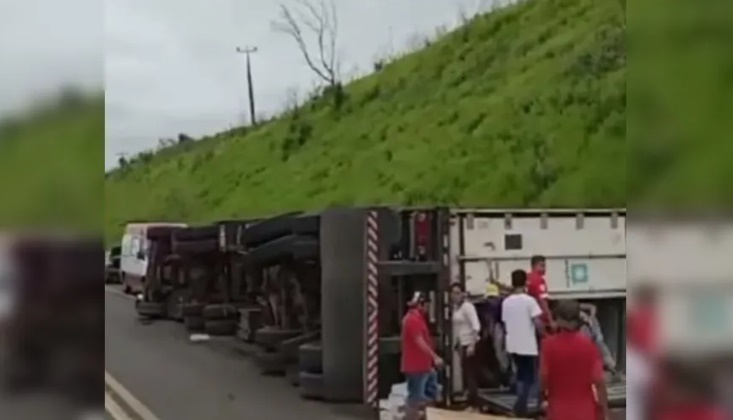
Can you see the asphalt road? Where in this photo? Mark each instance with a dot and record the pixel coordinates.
(179, 380)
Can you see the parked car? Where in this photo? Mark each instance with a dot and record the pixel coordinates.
(112, 266)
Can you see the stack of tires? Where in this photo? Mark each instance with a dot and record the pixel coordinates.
(310, 370)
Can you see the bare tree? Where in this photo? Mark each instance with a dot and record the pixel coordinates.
(319, 19)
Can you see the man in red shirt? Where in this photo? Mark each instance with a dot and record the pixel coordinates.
(571, 368)
(537, 288)
(419, 359)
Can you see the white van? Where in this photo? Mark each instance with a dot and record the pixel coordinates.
(134, 254)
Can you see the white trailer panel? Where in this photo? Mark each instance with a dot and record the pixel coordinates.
(585, 249)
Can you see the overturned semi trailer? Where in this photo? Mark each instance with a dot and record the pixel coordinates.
(315, 278)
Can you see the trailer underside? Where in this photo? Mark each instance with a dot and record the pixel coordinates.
(502, 401)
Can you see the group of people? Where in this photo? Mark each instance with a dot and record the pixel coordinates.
(556, 354)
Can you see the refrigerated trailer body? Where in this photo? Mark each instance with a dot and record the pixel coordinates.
(585, 250)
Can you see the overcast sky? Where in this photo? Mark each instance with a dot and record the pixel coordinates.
(169, 66)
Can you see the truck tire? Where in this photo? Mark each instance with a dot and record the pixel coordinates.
(311, 385)
(192, 309)
(271, 363)
(194, 323)
(150, 309)
(310, 358)
(220, 311)
(220, 327)
(196, 247)
(271, 337)
(174, 305)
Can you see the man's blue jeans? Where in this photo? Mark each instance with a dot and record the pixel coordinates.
(422, 388)
(526, 379)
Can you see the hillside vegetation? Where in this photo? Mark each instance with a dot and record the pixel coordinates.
(524, 106)
(50, 163)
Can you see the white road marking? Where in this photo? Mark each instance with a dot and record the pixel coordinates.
(114, 409)
(128, 399)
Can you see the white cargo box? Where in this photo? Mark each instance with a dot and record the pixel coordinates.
(585, 249)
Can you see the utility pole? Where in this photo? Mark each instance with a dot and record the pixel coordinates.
(247, 51)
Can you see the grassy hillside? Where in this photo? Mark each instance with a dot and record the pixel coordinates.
(50, 165)
(521, 107)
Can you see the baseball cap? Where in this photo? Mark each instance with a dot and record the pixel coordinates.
(418, 298)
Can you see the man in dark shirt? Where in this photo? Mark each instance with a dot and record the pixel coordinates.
(571, 368)
(419, 359)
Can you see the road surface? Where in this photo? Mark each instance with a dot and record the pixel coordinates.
(177, 380)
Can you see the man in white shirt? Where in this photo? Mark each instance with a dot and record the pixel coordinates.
(466, 329)
(521, 315)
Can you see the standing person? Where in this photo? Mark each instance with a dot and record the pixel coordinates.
(419, 359)
(641, 352)
(521, 314)
(466, 329)
(571, 370)
(537, 288)
(592, 329)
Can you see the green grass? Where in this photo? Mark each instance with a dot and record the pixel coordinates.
(522, 107)
(50, 164)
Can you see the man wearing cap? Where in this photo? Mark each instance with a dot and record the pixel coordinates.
(571, 370)
(419, 359)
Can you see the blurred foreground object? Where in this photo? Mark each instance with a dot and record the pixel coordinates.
(53, 326)
(51, 164)
(680, 327)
